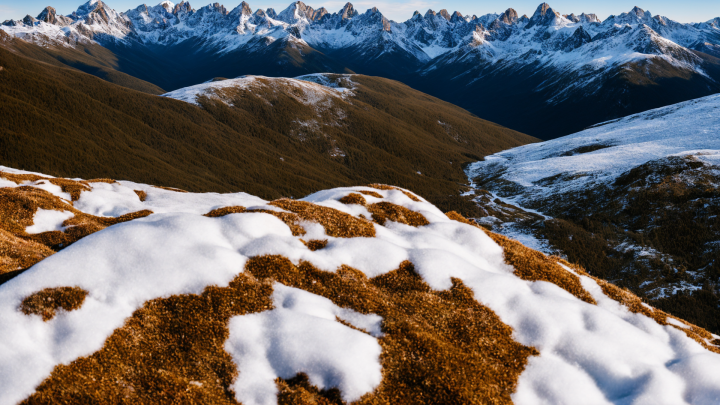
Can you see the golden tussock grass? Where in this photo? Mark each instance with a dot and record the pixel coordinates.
(18, 254)
(72, 187)
(532, 265)
(177, 190)
(386, 211)
(353, 198)
(141, 195)
(336, 223)
(387, 187)
(221, 212)
(370, 193)
(20, 250)
(109, 181)
(440, 347)
(47, 301)
(170, 351)
(315, 244)
(299, 391)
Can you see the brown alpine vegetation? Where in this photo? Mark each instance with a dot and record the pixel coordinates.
(386, 211)
(532, 265)
(370, 193)
(46, 302)
(20, 250)
(438, 347)
(66, 123)
(336, 223)
(353, 198)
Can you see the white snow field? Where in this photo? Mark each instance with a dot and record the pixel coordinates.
(302, 334)
(589, 354)
(689, 129)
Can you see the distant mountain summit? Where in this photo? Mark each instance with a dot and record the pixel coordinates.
(584, 69)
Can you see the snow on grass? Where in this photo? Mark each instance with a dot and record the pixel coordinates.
(113, 200)
(588, 353)
(302, 335)
(48, 220)
(315, 89)
(691, 128)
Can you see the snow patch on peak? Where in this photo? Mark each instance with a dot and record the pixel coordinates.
(316, 88)
(167, 5)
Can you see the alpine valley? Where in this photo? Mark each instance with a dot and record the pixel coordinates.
(546, 75)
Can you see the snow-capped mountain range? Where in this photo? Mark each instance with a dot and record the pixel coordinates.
(448, 55)
(629, 36)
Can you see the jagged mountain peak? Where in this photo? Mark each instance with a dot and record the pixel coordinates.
(543, 10)
(510, 16)
(638, 11)
(244, 9)
(544, 15)
(168, 5)
(48, 15)
(348, 11)
(456, 17)
(90, 7)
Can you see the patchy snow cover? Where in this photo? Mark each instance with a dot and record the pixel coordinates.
(302, 335)
(48, 220)
(691, 128)
(588, 353)
(316, 89)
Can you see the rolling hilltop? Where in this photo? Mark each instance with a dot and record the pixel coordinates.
(350, 295)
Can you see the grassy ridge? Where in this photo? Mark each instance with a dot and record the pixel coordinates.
(66, 123)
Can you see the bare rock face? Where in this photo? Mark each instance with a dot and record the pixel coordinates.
(48, 15)
(510, 16)
(29, 20)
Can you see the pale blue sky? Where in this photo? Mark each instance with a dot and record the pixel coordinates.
(683, 11)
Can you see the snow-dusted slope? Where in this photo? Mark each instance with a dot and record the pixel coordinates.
(590, 348)
(309, 89)
(602, 153)
(637, 199)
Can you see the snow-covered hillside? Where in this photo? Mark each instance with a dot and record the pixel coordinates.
(363, 289)
(637, 199)
(309, 89)
(600, 154)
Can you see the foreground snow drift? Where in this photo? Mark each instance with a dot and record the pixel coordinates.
(588, 352)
